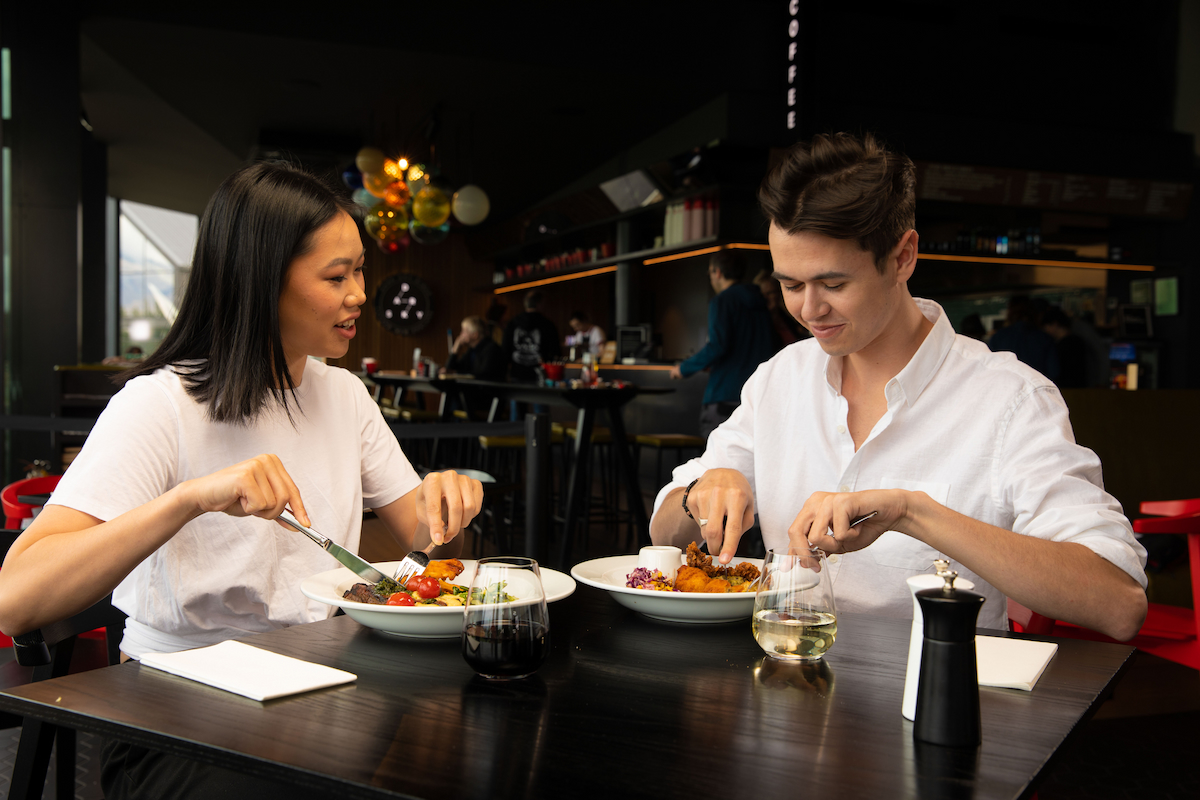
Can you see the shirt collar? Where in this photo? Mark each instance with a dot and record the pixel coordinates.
(924, 364)
(920, 369)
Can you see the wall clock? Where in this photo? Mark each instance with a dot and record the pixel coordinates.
(404, 304)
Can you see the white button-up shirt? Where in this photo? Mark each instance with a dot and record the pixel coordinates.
(979, 432)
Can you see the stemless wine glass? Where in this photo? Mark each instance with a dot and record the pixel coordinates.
(506, 629)
(794, 616)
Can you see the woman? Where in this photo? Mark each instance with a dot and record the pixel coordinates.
(170, 504)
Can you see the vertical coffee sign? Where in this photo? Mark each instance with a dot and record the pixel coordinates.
(793, 61)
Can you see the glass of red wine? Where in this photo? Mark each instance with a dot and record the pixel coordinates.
(506, 629)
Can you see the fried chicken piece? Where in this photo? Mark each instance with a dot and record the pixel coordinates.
(701, 561)
(447, 570)
(718, 586)
(745, 570)
(704, 562)
(690, 579)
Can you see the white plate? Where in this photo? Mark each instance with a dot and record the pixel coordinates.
(420, 622)
(610, 574)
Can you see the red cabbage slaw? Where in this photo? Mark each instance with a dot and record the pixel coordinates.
(642, 578)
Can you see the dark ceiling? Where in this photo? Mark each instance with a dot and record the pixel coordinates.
(521, 99)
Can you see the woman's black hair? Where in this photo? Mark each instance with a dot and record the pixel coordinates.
(225, 343)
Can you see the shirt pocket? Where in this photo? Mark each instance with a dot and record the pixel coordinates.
(896, 549)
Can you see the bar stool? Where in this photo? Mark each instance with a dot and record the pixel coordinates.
(608, 504)
(503, 457)
(666, 441)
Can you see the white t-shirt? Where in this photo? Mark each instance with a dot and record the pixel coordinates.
(594, 338)
(979, 432)
(221, 577)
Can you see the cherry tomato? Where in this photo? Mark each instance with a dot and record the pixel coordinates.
(429, 588)
(413, 583)
(401, 599)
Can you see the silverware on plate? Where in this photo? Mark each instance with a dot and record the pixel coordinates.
(413, 564)
(347, 559)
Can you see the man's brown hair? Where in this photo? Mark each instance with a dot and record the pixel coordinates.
(846, 187)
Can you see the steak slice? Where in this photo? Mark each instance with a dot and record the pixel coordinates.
(364, 593)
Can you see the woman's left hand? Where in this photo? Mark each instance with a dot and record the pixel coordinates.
(446, 503)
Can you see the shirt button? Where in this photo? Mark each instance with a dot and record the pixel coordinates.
(841, 428)
(843, 488)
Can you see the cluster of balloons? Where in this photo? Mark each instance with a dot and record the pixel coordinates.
(405, 203)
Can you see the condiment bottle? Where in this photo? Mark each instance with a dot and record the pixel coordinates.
(948, 689)
(912, 676)
(587, 375)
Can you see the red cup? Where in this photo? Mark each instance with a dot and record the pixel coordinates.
(370, 365)
(553, 371)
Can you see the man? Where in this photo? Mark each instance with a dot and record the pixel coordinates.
(962, 452)
(586, 334)
(529, 340)
(476, 353)
(739, 339)
(1022, 337)
(1071, 350)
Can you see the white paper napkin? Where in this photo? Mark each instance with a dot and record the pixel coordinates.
(1011, 663)
(249, 671)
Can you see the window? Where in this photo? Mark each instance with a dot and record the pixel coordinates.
(155, 256)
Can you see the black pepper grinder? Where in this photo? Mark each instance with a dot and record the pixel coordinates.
(948, 690)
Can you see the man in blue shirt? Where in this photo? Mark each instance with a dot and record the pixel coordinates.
(739, 339)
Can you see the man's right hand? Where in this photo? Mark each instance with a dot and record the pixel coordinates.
(723, 501)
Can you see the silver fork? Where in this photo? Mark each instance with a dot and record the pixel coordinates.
(413, 564)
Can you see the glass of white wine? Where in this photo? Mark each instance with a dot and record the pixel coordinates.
(794, 615)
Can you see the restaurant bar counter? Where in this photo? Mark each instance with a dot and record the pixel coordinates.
(623, 706)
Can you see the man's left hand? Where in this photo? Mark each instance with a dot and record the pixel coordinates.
(824, 521)
(676, 373)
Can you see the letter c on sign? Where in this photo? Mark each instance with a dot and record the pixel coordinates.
(793, 7)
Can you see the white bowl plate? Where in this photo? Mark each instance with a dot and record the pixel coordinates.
(418, 622)
(610, 574)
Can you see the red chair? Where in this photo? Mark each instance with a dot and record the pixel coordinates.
(1169, 632)
(14, 509)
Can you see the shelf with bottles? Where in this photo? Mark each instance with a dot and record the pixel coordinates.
(564, 270)
(1023, 241)
(660, 229)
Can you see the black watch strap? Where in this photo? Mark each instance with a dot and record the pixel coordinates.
(686, 492)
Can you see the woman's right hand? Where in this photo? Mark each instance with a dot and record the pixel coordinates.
(259, 487)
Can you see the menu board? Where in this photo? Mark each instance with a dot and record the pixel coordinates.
(961, 183)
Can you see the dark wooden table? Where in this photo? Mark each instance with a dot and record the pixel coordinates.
(623, 706)
(587, 403)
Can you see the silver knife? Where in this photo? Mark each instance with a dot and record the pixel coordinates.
(347, 559)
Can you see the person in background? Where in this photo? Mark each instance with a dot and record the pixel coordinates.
(1071, 350)
(1022, 337)
(739, 339)
(972, 325)
(957, 450)
(476, 353)
(529, 340)
(171, 505)
(787, 330)
(495, 319)
(586, 334)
